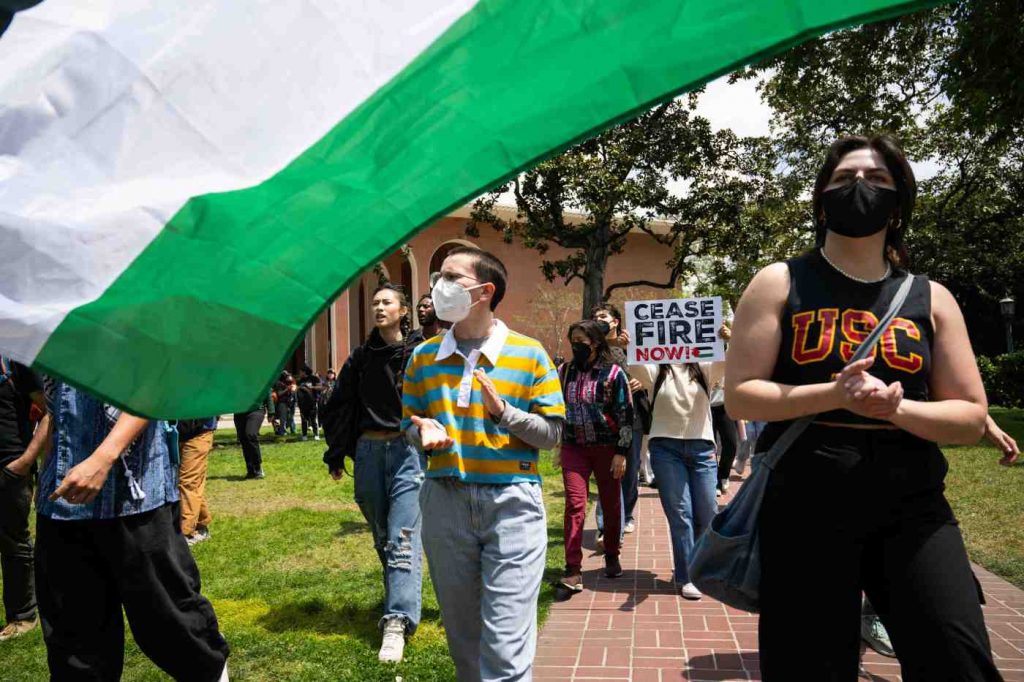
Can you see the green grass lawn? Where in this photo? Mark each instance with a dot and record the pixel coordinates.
(989, 500)
(295, 581)
(292, 573)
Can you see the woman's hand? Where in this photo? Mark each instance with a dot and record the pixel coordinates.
(865, 394)
(432, 435)
(618, 466)
(336, 474)
(1002, 440)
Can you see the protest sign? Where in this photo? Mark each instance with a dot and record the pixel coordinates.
(674, 330)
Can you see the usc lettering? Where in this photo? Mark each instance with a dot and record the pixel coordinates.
(854, 326)
(802, 355)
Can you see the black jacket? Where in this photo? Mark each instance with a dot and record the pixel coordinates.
(367, 395)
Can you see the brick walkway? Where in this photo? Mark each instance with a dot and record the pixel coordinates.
(636, 627)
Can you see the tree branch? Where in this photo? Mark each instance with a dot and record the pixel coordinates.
(677, 270)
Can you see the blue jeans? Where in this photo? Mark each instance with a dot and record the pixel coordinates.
(687, 473)
(486, 546)
(388, 477)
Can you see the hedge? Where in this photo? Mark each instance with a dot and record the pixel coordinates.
(1003, 376)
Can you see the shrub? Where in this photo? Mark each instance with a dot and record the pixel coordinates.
(1003, 376)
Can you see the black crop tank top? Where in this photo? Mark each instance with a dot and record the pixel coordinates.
(828, 315)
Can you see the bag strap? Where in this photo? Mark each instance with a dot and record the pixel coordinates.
(796, 429)
(663, 371)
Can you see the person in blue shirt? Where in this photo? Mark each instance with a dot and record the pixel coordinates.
(107, 538)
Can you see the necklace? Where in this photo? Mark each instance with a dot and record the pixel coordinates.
(844, 273)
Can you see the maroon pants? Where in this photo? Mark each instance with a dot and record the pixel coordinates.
(577, 464)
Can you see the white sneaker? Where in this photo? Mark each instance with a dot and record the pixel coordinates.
(393, 645)
(304, 438)
(316, 437)
(630, 526)
(690, 591)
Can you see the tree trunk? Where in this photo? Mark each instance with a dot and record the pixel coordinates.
(593, 274)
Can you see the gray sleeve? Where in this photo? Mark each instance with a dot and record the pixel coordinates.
(536, 430)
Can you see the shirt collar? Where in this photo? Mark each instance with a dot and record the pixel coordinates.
(491, 348)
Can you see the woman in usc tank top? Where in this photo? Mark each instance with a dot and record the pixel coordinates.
(857, 504)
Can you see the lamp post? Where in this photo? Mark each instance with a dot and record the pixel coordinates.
(1006, 306)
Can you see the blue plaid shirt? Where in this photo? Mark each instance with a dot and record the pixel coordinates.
(80, 423)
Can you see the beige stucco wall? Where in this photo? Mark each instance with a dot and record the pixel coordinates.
(532, 305)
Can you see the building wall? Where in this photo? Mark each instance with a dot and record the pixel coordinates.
(532, 305)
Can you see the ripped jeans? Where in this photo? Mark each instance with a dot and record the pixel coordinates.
(388, 476)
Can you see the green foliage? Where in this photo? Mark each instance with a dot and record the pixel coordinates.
(948, 84)
(1003, 376)
(590, 198)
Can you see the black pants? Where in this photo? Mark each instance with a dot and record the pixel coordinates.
(850, 510)
(728, 440)
(88, 570)
(16, 546)
(308, 416)
(247, 426)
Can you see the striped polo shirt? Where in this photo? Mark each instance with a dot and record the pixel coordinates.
(439, 384)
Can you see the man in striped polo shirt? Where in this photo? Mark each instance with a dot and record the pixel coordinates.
(482, 400)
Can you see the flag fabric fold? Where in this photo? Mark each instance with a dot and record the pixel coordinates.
(169, 170)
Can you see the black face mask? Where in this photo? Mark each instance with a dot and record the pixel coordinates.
(603, 326)
(859, 209)
(580, 353)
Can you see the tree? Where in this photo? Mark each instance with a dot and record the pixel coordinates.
(620, 182)
(948, 84)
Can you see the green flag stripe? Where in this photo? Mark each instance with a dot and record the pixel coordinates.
(198, 323)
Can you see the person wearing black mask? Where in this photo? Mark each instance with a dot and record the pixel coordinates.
(610, 320)
(598, 434)
(856, 503)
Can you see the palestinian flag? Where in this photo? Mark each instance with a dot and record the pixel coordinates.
(185, 185)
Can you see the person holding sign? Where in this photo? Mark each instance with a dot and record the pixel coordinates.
(597, 437)
(682, 445)
(856, 503)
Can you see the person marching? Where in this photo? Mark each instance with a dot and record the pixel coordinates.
(362, 419)
(598, 435)
(482, 400)
(857, 502)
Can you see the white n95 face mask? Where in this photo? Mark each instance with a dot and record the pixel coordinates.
(451, 300)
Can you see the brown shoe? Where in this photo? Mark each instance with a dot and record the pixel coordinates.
(16, 628)
(572, 582)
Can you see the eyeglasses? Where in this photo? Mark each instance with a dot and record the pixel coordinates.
(449, 276)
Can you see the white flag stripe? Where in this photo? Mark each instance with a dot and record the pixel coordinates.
(116, 113)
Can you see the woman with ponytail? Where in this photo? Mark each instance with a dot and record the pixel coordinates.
(362, 420)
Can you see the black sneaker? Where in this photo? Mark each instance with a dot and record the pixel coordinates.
(612, 567)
